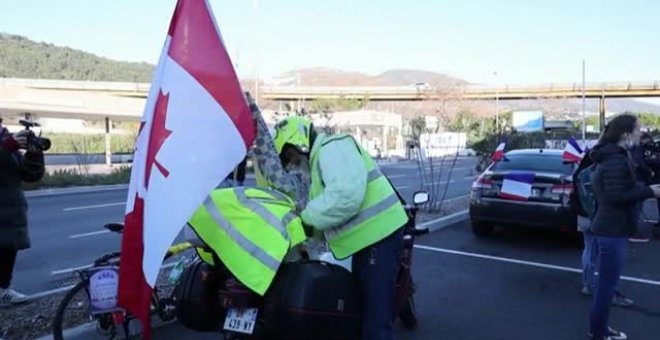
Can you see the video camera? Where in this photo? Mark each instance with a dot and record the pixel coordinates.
(35, 142)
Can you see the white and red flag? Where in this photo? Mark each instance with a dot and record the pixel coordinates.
(196, 128)
(517, 186)
(499, 151)
(573, 152)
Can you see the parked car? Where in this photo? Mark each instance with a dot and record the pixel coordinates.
(548, 205)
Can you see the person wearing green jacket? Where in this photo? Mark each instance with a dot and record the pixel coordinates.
(353, 205)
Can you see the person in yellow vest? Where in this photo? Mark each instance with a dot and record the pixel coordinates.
(250, 230)
(355, 207)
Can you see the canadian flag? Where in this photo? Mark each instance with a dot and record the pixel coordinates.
(196, 128)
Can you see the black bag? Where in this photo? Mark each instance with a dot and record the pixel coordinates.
(313, 300)
(195, 295)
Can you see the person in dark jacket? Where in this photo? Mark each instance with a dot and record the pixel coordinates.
(618, 195)
(15, 168)
(643, 171)
(590, 250)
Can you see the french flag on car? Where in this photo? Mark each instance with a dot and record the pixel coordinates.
(499, 151)
(572, 152)
(517, 186)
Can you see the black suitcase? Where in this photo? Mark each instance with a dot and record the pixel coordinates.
(313, 300)
(195, 295)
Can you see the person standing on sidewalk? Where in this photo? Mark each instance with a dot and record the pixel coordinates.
(617, 194)
(15, 168)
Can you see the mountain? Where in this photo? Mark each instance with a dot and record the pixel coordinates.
(408, 77)
(23, 58)
(323, 76)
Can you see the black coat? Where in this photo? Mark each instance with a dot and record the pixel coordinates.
(14, 170)
(617, 192)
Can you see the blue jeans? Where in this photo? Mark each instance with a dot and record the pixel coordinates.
(589, 256)
(611, 255)
(377, 268)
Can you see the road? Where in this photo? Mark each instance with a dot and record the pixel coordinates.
(66, 230)
(518, 285)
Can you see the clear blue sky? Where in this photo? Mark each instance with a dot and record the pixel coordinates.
(525, 41)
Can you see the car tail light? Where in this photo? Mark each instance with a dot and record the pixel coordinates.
(481, 183)
(565, 189)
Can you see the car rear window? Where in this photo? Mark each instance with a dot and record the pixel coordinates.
(534, 163)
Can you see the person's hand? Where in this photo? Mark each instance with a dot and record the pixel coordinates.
(656, 190)
(21, 137)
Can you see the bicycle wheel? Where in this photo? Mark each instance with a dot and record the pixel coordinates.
(73, 311)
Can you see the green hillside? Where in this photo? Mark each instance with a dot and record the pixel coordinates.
(24, 58)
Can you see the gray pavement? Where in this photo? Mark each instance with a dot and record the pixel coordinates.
(517, 285)
(66, 230)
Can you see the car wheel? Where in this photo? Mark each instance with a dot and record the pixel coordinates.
(482, 229)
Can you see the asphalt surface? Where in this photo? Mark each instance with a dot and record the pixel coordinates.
(67, 233)
(515, 285)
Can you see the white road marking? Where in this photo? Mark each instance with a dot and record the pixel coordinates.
(69, 270)
(90, 234)
(528, 263)
(445, 221)
(105, 205)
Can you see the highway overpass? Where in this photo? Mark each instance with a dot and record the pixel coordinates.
(125, 101)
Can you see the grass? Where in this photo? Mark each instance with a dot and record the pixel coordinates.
(95, 143)
(69, 178)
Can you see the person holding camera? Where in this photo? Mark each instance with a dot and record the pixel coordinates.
(15, 168)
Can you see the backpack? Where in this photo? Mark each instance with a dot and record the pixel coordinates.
(585, 190)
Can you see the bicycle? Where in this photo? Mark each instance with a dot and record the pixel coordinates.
(162, 303)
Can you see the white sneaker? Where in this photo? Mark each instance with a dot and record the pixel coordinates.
(612, 334)
(11, 297)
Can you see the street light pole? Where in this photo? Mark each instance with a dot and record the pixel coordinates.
(258, 42)
(497, 106)
(584, 105)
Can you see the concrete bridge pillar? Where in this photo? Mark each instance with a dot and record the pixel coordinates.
(601, 111)
(108, 151)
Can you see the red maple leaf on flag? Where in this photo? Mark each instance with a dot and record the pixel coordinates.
(157, 137)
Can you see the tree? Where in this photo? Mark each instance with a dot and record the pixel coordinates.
(326, 105)
(417, 127)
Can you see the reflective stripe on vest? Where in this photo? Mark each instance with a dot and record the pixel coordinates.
(363, 216)
(260, 210)
(247, 245)
(380, 214)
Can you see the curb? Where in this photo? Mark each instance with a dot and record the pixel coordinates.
(445, 221)
(74, 190)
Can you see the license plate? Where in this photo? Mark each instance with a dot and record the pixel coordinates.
(241, 320)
